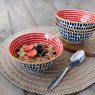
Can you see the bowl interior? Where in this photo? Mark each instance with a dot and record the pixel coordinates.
(36, 38)
(76, 15)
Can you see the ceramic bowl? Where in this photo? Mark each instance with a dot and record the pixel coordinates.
(73, 36)
(32, 38)
(76, 19)
(86, 31)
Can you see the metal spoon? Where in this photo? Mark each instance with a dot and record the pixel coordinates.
(76, 59)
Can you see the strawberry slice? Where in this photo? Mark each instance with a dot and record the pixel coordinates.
(32, 53)
(29, 48)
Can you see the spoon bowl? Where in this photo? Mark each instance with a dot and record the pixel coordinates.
(77, 58)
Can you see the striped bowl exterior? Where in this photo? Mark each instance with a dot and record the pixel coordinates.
(78, 31)
(78, 19)
(35, 38)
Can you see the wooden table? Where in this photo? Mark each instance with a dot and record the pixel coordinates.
(16, 15)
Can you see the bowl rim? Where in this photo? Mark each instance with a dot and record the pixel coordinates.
(73, 28)
(23, 62)
(73, 10)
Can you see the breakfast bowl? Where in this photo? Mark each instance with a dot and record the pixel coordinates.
(76, 19)
(35, 51)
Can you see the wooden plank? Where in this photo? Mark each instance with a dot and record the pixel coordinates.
(13, 18)
(20, 18)
(6, 88)
(73, 4)
(87, 91)
(42, 12)
(19, 15)
(5, 29)
(66, 4)
(66, 94)
(74, 94)
(93, 88)
(31, 93)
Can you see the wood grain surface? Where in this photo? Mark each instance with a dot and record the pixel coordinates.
(16, 15)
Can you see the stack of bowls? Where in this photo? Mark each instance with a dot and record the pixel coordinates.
(75, 25)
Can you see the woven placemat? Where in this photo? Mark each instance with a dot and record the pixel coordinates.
(76, 80)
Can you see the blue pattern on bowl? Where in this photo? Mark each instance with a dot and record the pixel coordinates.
(75, 25)
(73, 37)
(35, 67)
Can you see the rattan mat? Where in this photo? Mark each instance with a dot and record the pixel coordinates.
(76, 79)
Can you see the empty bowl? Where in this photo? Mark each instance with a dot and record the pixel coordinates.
(76, 19)
(33, 38)
(73, 35)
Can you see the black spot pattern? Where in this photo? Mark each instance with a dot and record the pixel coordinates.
(75, 25)
(37, 67)
(73, 37)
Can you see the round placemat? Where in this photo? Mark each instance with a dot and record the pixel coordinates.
(76, 79)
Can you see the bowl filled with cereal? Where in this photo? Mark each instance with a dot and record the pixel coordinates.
(35, 51)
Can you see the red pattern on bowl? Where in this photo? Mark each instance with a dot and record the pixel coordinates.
(31, 38)
(35, 38)
(76, 15)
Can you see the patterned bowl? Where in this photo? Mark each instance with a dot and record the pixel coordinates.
(32, 38)
(76, 19)
(73, 35)
(86, 31)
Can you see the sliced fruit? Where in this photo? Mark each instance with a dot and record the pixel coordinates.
(43, 46)
(29, 48)
(32, 53)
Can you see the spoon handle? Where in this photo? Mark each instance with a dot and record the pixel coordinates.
(58, 79)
